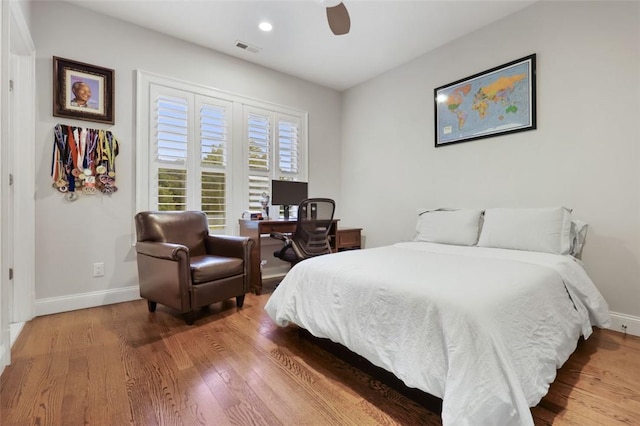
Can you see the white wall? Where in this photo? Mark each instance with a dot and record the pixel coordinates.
(25, 10)
(584, 154)
(70, 237)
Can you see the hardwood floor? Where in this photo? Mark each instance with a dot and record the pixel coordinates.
(119, 364)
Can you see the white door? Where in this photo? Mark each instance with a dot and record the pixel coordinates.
(8, 174)
(22, 152)
(17, 182)
(22, 204)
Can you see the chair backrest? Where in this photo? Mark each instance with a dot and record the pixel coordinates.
(188, 228)
(315, 216)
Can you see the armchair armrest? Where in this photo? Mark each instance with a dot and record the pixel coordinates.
(164, 273)
(228, 245)
(167, 251)
(232, 246)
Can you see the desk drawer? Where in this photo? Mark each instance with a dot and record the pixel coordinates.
(348, 238)
(280, 227)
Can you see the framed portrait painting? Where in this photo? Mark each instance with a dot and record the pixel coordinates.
(495, 102)
(82, 91)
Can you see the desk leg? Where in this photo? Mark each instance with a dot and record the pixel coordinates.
(256, 272)
(250, 229)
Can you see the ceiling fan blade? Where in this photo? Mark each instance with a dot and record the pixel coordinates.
(338, 19)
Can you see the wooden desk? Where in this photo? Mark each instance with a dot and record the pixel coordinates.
(348, 239)
(256, 228)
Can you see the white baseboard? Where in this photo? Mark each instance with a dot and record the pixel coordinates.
(15, 328)
(4, 357)
(625, 323)
(54, 305)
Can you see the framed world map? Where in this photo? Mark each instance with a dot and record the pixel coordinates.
(495, 102)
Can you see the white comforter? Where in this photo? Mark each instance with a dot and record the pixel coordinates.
(483, 329)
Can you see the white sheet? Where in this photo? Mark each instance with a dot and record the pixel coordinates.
(484, 329)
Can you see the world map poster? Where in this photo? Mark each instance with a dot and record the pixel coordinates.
(494, 102)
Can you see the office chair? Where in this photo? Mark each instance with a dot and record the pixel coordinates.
(311, 237)
(182, 266)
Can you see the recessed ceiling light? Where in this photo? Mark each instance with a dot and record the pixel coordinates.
(265, 26)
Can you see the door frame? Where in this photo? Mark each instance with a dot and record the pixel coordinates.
(17, 201)
(22, 140)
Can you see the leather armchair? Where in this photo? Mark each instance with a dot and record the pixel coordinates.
(182, 266)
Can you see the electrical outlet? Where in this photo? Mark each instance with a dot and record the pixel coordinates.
(98, 269)
(624, 328)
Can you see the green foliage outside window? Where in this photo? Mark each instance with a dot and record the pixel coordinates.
(171, 189)
(258, 157)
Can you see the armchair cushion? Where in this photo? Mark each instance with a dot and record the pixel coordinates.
(210, 268)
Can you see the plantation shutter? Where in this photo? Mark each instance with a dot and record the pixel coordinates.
(190, 153)
(259, 158)
(214, 143)
(259, 134)
(289, 146)
(213, 135)
(171, 126)
(257, 186)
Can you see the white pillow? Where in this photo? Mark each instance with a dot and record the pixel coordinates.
(458, 227)
(538, 229)
(578, 235)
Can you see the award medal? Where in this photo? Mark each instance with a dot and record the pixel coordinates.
(83, 160)
(89, 186)
(58, 160)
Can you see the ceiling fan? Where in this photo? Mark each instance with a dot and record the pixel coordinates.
(338, 17)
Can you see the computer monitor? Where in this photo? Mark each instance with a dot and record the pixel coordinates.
(288, 193)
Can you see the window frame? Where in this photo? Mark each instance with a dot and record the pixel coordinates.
(237, 180)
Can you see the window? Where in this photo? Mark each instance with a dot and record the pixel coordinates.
(189, 143)
(203, 149)
(258, 129)
(213, 164)
(272, 139)
(171, 127)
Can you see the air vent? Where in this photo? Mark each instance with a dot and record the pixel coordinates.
(247, 46)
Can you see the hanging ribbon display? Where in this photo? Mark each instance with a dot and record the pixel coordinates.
(83, 160)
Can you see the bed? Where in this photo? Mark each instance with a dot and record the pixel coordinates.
(481, 326)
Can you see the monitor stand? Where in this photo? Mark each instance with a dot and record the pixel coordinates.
(286, 212)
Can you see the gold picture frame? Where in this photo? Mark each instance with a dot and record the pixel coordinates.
(82, 91)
